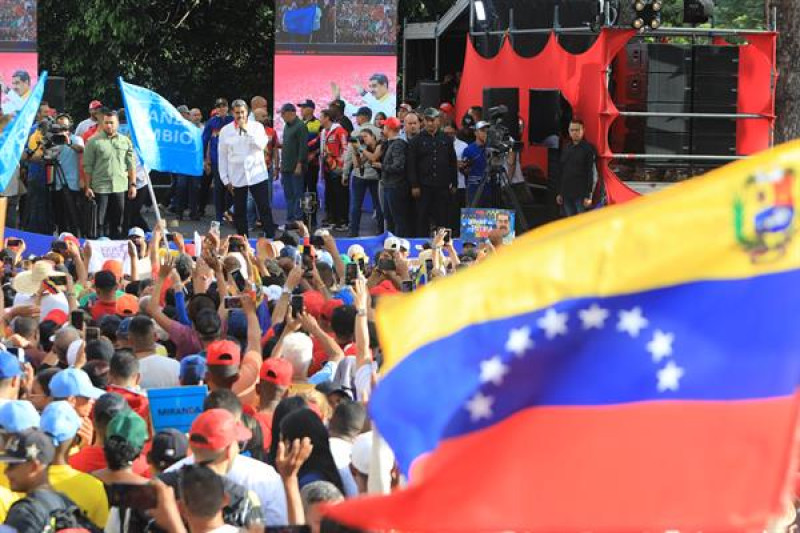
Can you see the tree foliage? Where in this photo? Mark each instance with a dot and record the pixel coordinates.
(190, 51)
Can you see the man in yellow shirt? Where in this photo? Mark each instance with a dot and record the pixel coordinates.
(61, 422)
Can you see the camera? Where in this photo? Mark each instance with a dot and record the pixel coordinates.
(53, 133)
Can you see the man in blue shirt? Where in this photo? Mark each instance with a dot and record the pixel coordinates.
(222, 198)
(473, 162)
(66, 179)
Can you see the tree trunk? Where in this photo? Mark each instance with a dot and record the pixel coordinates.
(787, 98)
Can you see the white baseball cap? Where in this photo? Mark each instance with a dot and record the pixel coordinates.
(391, 243)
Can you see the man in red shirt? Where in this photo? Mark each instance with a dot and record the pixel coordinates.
(105, 284)
(276, 378)
(334, 140)
(91, 458)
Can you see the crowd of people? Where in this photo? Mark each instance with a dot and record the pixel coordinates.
(282, 335)
(366, 22)
(420, 168)
(18, 21)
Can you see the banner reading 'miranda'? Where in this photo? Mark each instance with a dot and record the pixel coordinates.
(330, 49)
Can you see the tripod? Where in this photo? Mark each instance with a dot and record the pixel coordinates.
(67, 204)
(497, 178)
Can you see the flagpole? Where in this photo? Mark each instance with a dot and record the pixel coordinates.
(153, 198)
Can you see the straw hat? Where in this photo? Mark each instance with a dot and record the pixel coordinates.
(28, 282)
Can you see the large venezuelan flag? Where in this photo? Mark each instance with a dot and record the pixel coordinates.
(631, 369)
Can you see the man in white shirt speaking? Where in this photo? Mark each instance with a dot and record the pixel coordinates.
(242, 168)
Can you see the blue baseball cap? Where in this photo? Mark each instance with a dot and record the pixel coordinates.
(9, 365)
(60, 421)
(193, 369)
(18, 415)
(73, 382)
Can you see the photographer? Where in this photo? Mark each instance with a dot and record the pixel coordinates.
(473, 163)
(37, 217)
(363, 158)
(66, 179)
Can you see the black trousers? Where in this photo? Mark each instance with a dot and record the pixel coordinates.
(110, 213)
(432, 207)
(133, 211)
(337, 199)
(260, 192)
(68, 209)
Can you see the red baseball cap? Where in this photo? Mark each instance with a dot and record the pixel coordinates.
(223, 353)
(216, 429)
(393, 123)
(329, 307)
(446, 107)
(95, 104)
(277, 370)
(58, 316)
(313, 302)
(127, 305)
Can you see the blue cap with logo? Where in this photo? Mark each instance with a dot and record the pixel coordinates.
(73, 382)
(18, 415)
(9, 365)
(60, 421)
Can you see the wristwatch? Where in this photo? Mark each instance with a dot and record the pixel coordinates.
(361, 312)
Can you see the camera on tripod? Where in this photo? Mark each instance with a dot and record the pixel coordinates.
(498, 139)
(54, 135)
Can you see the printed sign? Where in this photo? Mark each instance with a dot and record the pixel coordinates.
(478, 222)
(176, 407)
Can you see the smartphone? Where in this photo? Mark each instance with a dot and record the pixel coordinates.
(233, 302)
(350, 273)
(386, 264)
(132, 496)
(14, 243)
(214, 227)
(428, 265)
(297, 304)
(407, 285)
(76, 319)
(60, 247)
(447, 234)
(170, 237)
(58, 280)
(92, 334)
(238, 278)
(234, 245)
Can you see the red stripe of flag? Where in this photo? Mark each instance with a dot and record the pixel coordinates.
(651, 466)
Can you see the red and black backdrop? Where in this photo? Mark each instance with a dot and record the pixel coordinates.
(582, 80)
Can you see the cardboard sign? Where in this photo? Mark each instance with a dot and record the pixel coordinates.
(176, 407)
(478, 222)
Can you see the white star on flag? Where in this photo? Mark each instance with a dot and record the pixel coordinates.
(480, 406)
(493, 370)
(669, 376)
(519, 341)
(553, 323)
(632, 322)
(661, 345)
(32, 452)
(594, 317)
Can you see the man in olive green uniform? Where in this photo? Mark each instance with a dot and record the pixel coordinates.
(110, 171)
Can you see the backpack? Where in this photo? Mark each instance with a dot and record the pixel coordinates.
(62, 512)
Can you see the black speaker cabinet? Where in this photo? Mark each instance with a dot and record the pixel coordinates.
(544, 114)
(509, 97)
(55, 90)
(430, 94)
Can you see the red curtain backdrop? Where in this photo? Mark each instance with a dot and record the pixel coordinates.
(582, 81)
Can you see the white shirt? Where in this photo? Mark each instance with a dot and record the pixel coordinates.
(241, 155)
(363, 381)
(460, 145)
(260, 478)
(158, 372)
(387, 105)
(340, 449)
(84, 125)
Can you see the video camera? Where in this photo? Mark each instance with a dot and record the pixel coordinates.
(498, 140)
(53, 133)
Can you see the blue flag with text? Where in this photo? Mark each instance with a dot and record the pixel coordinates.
(15, 135)
(166, 141)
